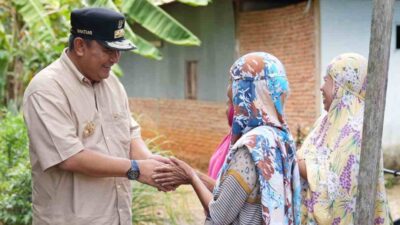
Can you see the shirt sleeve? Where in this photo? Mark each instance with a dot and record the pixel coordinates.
(52, 133)
(239, 182)
(134, 129)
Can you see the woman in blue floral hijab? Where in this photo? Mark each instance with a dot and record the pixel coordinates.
(259, 182)
(260, 88)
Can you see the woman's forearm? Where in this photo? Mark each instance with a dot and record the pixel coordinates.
(203, 193)
(207, 181)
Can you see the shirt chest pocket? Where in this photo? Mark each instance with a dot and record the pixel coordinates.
(118, 130)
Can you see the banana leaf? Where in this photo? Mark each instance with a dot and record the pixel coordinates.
(36, 18)
(194, 2)
(157, 21)
(161, 2)
(187, 2)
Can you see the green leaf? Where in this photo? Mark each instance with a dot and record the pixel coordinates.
(5, 52)
(144, 47)
(187, 2)
(35, 17)
(160, 2)
(194, 2)
(117, 70)
(4, 56)
(158, 22)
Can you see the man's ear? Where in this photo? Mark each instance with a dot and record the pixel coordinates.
(79, 46)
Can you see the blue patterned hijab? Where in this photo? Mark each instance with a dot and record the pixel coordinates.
(259, 89)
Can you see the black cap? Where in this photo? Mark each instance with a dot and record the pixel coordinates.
(101, 24)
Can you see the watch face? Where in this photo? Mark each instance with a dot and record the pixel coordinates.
(133, 174)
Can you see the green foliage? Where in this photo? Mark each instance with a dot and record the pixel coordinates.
(391, 181)
(32, 14)
(15, 175)
(13, 141)
(15, 196)
(32, 35)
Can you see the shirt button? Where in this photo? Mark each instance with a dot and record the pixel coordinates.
(118, 186)
(107, 138)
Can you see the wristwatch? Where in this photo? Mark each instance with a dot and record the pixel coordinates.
(134, 172)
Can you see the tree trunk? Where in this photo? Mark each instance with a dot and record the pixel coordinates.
(378, 64)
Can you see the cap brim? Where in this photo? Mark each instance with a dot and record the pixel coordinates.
(122, 45)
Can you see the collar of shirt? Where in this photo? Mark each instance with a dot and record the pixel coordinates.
(67, 61)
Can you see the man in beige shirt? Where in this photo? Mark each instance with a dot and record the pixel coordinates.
(83, 142)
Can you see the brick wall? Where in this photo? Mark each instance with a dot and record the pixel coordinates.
(288, 33)
(191, 129)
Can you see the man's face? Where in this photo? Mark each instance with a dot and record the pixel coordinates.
(327, 90)
(97, 60)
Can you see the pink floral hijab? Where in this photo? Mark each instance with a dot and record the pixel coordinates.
(332, 150)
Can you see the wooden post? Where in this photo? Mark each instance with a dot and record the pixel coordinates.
(378, 63)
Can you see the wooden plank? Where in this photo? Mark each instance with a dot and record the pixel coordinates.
(378, 64)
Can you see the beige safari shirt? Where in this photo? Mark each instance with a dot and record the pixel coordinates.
(64, 114)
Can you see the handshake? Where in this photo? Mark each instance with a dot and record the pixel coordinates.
(166, 174)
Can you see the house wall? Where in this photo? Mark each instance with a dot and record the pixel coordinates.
(290, 33)
(345, 27)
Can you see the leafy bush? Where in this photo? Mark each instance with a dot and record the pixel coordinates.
(15, 175)
(15, 197)
(13, 141)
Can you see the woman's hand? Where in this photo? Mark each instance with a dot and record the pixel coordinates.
(174, 174)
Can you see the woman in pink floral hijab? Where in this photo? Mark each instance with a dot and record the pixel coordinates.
(330, 156)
